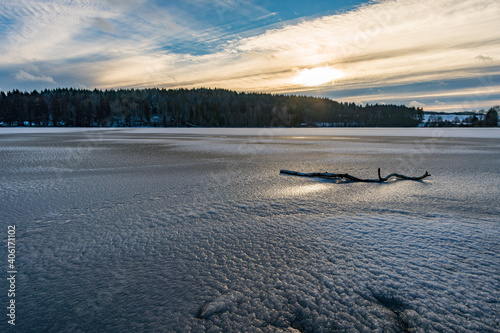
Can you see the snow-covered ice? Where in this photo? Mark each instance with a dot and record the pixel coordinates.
(162, 230)
(262, 132)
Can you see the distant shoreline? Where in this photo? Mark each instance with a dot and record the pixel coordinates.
(420, 132)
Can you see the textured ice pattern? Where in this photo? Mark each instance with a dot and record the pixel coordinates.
(125, 233)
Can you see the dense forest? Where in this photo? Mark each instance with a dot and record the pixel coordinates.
(195, 107)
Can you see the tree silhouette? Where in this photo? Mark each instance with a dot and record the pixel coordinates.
(491, 118)
(199, 107)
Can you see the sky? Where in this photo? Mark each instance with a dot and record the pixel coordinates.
(441, 55)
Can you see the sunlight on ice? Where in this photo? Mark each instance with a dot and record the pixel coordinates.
(317, 76)
(303, 189)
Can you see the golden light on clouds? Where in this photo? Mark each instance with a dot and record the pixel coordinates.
(374, 49)
(317, 76)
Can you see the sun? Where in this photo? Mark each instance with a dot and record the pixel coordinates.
(317, 76)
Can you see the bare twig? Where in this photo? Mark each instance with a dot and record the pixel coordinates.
(327, 175)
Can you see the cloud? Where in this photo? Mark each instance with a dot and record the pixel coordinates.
(484, 58)
(431, 96)
(390, 40)
(386, 43)
(383, 43)
(416, 104)
(24, 76)
(104, 25)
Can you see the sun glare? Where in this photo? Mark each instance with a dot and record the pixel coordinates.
(317, 76)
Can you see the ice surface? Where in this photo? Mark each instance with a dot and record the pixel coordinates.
(147, 230)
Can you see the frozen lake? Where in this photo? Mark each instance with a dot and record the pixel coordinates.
(179, 230)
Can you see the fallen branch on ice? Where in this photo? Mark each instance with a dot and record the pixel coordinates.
(327, 175)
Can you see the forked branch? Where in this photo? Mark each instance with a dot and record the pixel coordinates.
(328, 175)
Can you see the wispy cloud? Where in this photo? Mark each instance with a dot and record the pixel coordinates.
(136, 43)
(392, 42)
(484, 58)
(104, 25)
(24, 76)
(416, 104)
(388, 41)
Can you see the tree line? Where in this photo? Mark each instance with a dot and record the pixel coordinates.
(490, 119)
(192, 107)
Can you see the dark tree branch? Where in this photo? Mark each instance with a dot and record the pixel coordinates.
(327, 175)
